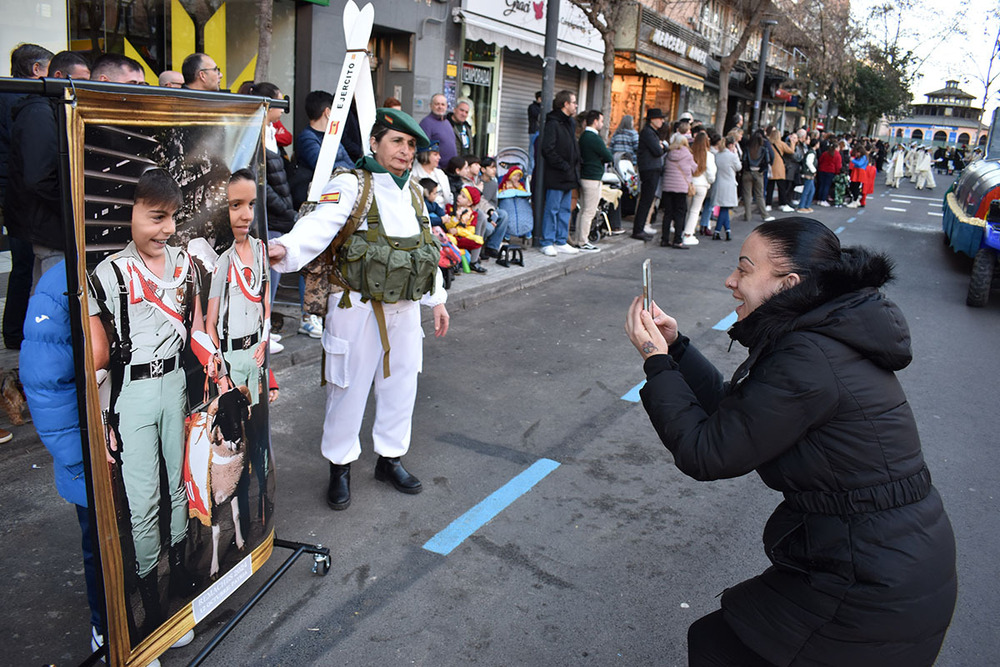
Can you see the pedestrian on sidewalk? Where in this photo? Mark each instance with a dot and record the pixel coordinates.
(650, 166)
(859, 165)
(808, 174)
(562, 173)
(625, 139)
(717, 144)
(702, 180)
(862, 552)
(777, 179)
(757, 159)
(727, 165)
(829, 165)
(677, 185)
(594, 154)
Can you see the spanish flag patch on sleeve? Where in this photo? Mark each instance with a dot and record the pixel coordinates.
(330, 198)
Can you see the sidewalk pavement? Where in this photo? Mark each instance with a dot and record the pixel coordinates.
(467, 291)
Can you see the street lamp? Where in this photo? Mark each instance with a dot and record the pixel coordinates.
(768, 24)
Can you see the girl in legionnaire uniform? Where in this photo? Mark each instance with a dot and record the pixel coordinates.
(389, 267)
(239, 323)
(148, 295)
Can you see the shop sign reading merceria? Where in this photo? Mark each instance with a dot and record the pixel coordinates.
(674, 43)
(477, 76)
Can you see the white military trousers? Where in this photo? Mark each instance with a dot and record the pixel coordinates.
(353, 362)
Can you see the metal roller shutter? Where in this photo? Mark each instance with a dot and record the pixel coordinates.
(521, 78)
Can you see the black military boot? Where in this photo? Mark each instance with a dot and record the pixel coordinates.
(182, 583)
(391, 470)
(149, 593)
(338, 496)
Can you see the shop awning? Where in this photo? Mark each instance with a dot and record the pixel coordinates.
(666, 71)
(512, 37)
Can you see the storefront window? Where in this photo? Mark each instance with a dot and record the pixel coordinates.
(635, 93)
(477, 85)
(42, 23)
(161, 33)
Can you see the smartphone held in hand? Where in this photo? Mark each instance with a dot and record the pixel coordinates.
(647, 285)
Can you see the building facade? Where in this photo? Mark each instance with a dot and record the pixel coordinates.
(947, 118)
(489, 52)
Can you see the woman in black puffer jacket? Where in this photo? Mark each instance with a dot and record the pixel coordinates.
(862, 552)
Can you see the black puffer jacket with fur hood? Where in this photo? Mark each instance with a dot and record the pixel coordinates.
(280, 209)
(862, 552)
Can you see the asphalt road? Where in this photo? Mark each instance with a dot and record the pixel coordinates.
(610, 556)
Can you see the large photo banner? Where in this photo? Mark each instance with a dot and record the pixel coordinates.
(172, 257)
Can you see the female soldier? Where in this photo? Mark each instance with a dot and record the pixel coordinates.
(863, 553)
(379, 310)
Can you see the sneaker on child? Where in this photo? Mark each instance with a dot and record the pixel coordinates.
(311, 326)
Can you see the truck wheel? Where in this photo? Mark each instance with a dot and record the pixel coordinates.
(981, 279)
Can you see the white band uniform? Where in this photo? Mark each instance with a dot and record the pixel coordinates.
(351, 338)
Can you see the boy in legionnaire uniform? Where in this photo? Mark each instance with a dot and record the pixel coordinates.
(148, 294)
(239, 323)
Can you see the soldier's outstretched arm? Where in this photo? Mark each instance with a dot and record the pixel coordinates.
(314, 231)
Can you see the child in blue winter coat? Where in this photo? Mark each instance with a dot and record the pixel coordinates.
(49, 378)
(48, 374)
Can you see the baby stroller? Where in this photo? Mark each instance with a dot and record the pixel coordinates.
(516, 203)
(629, 176)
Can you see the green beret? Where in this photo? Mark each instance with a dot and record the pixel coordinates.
(401, 122)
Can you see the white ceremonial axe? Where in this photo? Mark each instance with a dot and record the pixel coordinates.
(355, 83)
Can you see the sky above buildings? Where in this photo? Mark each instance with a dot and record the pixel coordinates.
(946, 54)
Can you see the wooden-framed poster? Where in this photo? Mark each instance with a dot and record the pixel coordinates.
(176, 293)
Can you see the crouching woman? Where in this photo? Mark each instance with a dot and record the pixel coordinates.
(862, 552)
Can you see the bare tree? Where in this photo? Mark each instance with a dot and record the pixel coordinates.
(912, 30)
(604, 15)
(265, 13)
(824, 34)
(989, 78)
(752, 11)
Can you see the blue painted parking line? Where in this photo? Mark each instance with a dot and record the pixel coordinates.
(839, 229)
(726, 322)
(633, 394)
(496, 502)
(849, 220)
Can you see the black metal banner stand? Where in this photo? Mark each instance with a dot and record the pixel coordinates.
(321, 565)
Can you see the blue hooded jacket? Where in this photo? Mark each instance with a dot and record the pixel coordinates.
(49, 379)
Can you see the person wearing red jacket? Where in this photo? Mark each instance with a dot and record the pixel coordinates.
(829, 166)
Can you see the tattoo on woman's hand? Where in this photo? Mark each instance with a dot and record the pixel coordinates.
(648, 347)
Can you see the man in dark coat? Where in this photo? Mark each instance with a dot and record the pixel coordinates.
(27, 61)
(650, 158)
(534, 121)
(562, 173)
(460, 124)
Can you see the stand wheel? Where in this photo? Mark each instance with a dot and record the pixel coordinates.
(321, 564)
